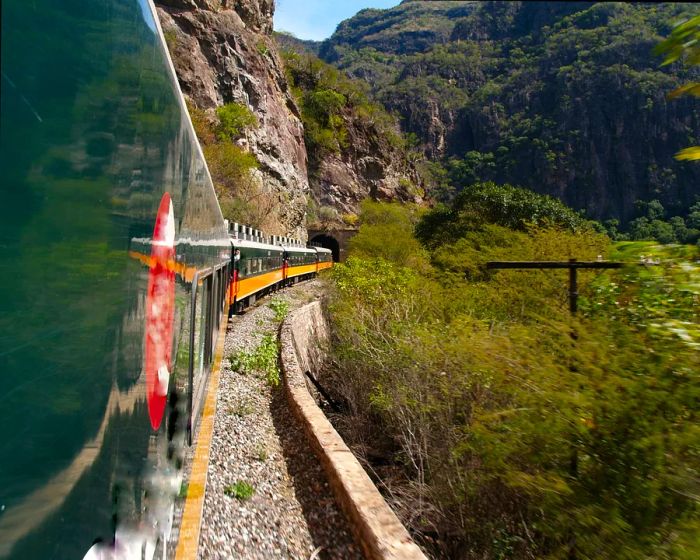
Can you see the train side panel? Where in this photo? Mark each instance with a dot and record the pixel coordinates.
(107, 217)
(302, 261)
(259, 267)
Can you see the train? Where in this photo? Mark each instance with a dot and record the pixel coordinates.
(119, 272)
(264, 263)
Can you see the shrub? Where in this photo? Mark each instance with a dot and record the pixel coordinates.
(170, 40)
(503, 205)
(524, 432)
(319, 140)
(234, 119)
(263, 359)
(228, 163)
(280, 307)
(323, 104)
(262, 48)
(241, 490)
(350, 219)
(386, 231)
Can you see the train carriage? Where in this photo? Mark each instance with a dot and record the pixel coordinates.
(301, 262)
(258, 267)
(324, 258)
(118, 265)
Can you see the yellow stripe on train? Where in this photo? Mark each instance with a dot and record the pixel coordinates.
(299, 270)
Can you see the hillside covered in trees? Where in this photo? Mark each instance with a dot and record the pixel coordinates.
(565, 98)
(499, 424)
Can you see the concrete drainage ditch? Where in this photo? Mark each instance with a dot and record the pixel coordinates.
(303, 336)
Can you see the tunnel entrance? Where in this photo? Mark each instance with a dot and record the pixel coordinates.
(328, 242)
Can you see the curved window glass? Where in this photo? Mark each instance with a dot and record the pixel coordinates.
(107, 211)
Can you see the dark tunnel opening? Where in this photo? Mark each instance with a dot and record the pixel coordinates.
(328, 242)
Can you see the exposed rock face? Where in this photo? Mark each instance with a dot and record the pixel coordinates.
(223, 52)
(366, 156)
(256, 14)
(368, 167)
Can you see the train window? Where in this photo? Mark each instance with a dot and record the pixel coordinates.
(201, 331)
(247, 266)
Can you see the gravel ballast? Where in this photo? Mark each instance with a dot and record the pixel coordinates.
(257, 442)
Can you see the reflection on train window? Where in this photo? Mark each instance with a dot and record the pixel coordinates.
(200, 330)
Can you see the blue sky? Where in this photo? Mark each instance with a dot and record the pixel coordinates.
(317, 19)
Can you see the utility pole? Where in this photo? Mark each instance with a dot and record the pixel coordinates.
(572, 264)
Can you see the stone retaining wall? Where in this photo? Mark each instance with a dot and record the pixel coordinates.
(303, 337)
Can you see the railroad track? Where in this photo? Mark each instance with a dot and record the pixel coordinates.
(256, 441)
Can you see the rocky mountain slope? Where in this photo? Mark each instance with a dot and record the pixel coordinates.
(565, 98)
(355, 147)
(224, 53)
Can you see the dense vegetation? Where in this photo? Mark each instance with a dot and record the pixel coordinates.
(330, 103)
(564, 98)
(501, 426)
(241, 195)
(652, 223)
(344, 130)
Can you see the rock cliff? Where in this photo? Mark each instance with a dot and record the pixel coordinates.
(223, 52)
(356, 149)
(369, 167)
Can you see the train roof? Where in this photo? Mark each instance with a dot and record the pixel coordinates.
(322, 250)
(294, 249)
(244, 243)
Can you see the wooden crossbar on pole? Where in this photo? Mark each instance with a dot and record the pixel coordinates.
(572, 265)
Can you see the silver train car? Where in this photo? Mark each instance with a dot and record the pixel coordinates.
(118, 271)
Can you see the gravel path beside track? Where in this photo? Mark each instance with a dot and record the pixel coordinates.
(292, 513)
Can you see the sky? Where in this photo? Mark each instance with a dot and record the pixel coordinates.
(317, 19)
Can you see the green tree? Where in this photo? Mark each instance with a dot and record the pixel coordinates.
(694, 216)
(490, 203)
(653, 210)
(386, 231)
